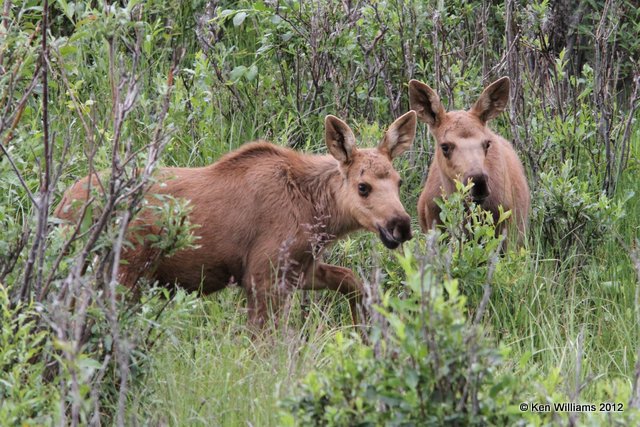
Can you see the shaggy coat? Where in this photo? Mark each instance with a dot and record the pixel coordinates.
(265, 213)
(467, 150)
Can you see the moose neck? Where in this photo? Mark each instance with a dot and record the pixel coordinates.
(321, 182)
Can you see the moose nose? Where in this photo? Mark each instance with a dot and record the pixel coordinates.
(480, 190)
(400, 228)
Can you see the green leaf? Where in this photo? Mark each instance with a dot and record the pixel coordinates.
(251, 73)
(237, 73)
(88, 363)
(239, 18)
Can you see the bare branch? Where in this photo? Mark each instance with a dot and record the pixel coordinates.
(36, 253)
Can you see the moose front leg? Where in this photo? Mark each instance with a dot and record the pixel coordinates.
(339, 279)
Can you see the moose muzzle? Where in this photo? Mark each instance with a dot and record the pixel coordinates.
(396, 231)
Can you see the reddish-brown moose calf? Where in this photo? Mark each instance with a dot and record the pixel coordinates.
(262, 200)
(467, 150)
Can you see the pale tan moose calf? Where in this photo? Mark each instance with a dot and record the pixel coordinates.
(467, 150)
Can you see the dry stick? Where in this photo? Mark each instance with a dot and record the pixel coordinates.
(14, 75)
(5, 15)
(48, 150)
(5, 25)
(484, 17)
(78, 323)
(120, 111)
(19, 109)
(9, 261)
(42, 207)
(122, 355)
(602, 93)
(437, 25)
(154, 152)
(115, 187)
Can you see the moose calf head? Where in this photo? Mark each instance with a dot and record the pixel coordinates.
(371, 186)
(463, 141)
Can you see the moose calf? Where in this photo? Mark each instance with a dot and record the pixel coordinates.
(262, 200)
(467, 150)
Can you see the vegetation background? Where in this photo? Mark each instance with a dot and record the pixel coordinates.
(458, 335)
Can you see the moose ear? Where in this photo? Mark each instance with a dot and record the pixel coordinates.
(426, 103)
(493, 100)
(339, 139)
(399, 136)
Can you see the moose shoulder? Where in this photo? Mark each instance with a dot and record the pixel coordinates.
(257, 210)
(467, 150)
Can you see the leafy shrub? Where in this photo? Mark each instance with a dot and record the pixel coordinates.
(428, 363)
(573, 217)
(426, 366)
(25, 396)
(468, 239)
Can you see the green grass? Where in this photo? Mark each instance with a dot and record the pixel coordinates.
(211, 371)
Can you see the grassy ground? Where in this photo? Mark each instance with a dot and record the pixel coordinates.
(212, 373)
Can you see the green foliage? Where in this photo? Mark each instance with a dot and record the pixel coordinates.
(573, 218)
(469, 234)
(175, 231)
(25, 396)
(426, 365)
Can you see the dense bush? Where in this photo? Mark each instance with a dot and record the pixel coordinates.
(572, 217)
(428, 359)
(425, 366)
(26, 397)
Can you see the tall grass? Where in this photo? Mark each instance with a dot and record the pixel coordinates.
(212, 373)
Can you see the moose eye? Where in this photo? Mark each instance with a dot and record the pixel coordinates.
(446, 149)
(364, 189)
(486, 145)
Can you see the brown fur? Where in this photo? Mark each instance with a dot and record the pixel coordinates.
(259, 207)
(475, 153)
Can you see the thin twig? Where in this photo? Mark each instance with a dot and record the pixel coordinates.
(37, 250)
